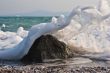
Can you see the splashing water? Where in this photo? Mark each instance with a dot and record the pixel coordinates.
(90, 30)
(104, 7)
(11, 39)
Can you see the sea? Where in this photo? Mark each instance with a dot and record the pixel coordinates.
(89, 30)
(13, 23)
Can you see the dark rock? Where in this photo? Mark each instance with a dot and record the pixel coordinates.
(46, 47)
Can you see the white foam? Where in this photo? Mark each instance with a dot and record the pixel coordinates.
(21, 32)
(9, 39)
(88, 29)
(104, 7)
(3, 25)
(93, 33)
(22, 47)
(54, 20)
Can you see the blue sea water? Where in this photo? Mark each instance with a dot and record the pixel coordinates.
(13, 23)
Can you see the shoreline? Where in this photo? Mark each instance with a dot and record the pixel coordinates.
(58, 66)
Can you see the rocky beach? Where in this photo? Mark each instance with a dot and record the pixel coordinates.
(54, 60)
(88, 67)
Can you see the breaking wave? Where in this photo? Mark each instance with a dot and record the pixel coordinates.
(89, 29)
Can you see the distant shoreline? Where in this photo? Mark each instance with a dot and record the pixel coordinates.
(28, 16)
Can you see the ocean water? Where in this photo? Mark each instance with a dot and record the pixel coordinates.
(89, 30)
(13, 23)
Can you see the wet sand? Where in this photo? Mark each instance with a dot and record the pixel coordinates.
(73, 65)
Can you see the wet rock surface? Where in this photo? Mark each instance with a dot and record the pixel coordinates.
(46, 47)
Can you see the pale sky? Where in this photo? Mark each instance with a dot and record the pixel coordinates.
(26, 6)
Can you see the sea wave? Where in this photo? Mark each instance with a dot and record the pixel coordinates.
(89, 29)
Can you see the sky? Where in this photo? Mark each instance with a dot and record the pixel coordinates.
(9, 7)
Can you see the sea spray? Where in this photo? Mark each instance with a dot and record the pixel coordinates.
(87, 31)
(104, 7)
(93, 33)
